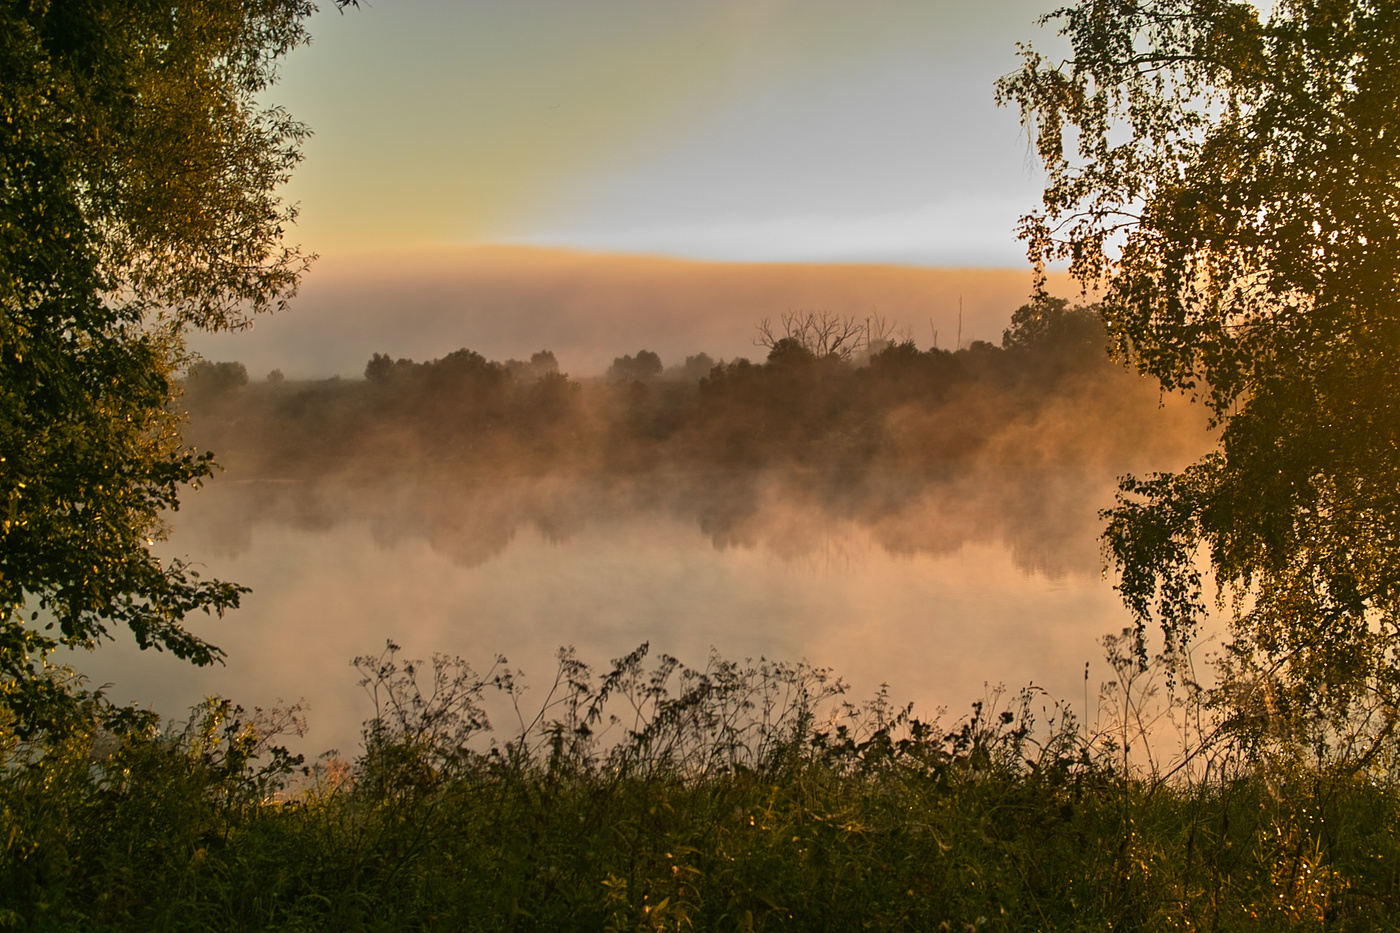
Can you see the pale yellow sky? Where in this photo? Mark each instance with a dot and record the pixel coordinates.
(732, 129)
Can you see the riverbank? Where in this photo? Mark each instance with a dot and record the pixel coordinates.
(650, 796)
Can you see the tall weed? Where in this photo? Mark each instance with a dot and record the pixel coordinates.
(648, 795)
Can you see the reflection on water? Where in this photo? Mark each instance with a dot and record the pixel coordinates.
(931, 586)
(1046, 519)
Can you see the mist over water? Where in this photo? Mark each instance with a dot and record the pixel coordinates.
(590, 308)
(934, 541)
(906, 600)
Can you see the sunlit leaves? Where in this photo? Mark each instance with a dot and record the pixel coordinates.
(1234, 191)
(138, 198)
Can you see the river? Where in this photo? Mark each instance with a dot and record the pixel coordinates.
(938, 588)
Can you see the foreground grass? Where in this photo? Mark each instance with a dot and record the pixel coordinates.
(733, 799)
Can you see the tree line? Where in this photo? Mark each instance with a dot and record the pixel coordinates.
(795, 408)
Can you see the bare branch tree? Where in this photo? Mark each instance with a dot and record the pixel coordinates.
(824, 333)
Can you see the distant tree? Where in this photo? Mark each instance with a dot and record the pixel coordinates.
(207, 380)
(1231, 185)
(541, 364)
(820, 333)
(463, 369)
(791, 353)
(694, 368)
(823, 333)
(1048, 323)
(276, 377)
(553, 395)
(645, 365)
(544, 362)
(379, 368)
(383, 368)
(899, 358)
(901, 373)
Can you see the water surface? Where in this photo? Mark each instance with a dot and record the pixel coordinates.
(936, 587)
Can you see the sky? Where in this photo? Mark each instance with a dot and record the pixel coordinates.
(795, 132)
(751, 130)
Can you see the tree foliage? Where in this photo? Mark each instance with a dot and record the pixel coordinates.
(138, 199)
(1051, 324)
(1231, 185)
(645, 365)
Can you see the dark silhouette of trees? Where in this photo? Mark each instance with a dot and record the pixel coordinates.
(462, 371)
(906, 408)
(901, 374)
(694, 368)
(379, 368)
(782, 410)
(383, 368)
(1233, 190)
(789, 354)
(541, 364)
(208, 380)
(553, 396)
(1055, 339)
(645, 365)
(1051, 324)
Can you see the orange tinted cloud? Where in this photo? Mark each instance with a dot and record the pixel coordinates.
(508, 301)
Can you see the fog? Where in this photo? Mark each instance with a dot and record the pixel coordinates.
(922, 519)
(506, 301)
